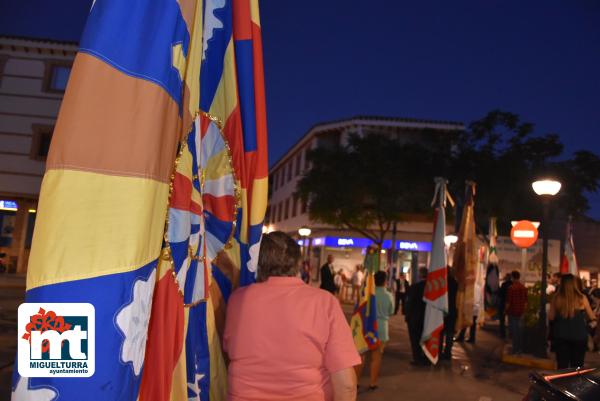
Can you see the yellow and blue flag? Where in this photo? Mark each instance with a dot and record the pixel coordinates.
(152, 204)
(364, 319)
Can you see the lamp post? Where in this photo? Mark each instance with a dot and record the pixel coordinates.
(449, 240)
(304, 232)
(546, 189)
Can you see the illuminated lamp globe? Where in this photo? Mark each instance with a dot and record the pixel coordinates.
(304, 231)
(546, 187)
(450, 239)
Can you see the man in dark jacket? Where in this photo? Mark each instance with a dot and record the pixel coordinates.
(327, 282)
(446, 337)
(415, 317)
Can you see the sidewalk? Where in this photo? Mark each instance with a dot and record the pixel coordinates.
(475, 372)
(12, 294)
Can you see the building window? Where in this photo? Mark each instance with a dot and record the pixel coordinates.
(57, 76)
(40, 142)
(298, 160)
(306, 157)
(275, 180)
(282, 176)
(294, 206)
(274, 214)
(267, 219)
(286, 211)
(3, 60)
(279, 211)
(304, 206)
(290, 168)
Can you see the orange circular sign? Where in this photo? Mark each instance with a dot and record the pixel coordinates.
(524, 234)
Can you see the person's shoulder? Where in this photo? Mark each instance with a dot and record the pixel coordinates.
(241, 292)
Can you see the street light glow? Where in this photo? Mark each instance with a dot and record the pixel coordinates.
(546, 187)
(450, 239)
(304, 231)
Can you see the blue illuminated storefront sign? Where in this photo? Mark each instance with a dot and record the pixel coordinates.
(8, 205)
(351, 242)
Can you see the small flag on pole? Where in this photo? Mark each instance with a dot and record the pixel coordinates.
(436, 287)
(466, 261)
(492, 276)
(364, 319)
(569, 261)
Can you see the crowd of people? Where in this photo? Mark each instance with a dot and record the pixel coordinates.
(572, 317)
(281, 324)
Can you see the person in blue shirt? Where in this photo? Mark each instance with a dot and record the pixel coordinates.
(385, 309)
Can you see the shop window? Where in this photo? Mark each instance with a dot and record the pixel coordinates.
(30, 226)
(57, 76)
(40, 142)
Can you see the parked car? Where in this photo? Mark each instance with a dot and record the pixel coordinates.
(565, 385)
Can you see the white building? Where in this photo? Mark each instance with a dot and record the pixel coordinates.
(33, 77)
(288, 214)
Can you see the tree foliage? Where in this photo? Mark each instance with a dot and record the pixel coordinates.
(377, 179)
(368, 184)
(502, 154)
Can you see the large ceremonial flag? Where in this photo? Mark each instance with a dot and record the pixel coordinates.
(217, 205)
(152, 204)
(466, 261)
(436, 286)
(364, 318)
(569, 261)
(492, 274)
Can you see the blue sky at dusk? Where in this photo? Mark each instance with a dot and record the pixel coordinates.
(450, 60)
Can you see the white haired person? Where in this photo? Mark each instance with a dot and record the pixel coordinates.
(286, 340)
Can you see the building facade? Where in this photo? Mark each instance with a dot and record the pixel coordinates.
(287, 213)
(33, 78)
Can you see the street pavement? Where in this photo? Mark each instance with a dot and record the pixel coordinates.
(474, 374)
(12, 294)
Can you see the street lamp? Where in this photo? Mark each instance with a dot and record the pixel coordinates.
(304, 231)
(450, 239)
(546, 189)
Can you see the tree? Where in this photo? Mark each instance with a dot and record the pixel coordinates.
(368, 184)
(377, 180)
(502, 154)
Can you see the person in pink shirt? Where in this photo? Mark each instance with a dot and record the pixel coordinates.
(285, 340)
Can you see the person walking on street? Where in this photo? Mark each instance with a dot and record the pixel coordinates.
(357, 282)
(415, 317)
(385, 309)
(516, 303)
(502, 304)
(568, 311)
(327, 274)
(447, 335)
(401, 287)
